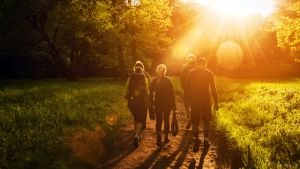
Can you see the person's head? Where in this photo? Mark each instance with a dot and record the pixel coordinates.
(139, 67)
(161, 70)
(202, 62)
(190, 58)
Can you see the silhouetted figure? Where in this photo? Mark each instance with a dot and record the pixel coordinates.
(161, 90)
(189, 65)
(199, 80)
(137, 94)
(148, 82)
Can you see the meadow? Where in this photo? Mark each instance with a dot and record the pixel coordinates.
(40, 118)
(44, 122)
(262, 119)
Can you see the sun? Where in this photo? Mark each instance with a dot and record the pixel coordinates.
(238, 8)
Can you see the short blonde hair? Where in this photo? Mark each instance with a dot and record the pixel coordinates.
(161, 68)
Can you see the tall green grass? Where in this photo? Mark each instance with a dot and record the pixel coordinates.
(38, 117)
(263, 119)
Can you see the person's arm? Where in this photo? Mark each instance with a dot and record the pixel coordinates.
(182, 76)
(127, 88)
(187, 89)
(151, 91)
(172, 95)
(148, 77)
(214, 91)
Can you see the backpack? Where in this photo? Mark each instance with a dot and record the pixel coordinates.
(137, 85)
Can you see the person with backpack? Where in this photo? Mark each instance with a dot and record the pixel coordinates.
(189, 65)
(200, 81)
(162, 94)
(137, 95)
(148, 80)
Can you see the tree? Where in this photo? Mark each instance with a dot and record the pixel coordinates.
(145, 29)
(286, 24)
(67, 31)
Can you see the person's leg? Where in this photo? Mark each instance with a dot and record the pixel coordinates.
(206, 128)
(196, 117)
(145, 120)
(187, 112)
(135, 126)
(188, 116)
(139, 129)
(158, 113)
(167, 124)
(140, 120)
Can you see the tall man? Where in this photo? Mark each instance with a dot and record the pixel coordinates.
(189, 65)
(199, 80)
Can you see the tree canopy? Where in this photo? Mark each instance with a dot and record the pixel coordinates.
(286, 24)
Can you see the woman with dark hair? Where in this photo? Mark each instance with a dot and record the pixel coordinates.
(137, 94)
(161, 90)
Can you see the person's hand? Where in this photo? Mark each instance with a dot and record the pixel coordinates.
(216, 107)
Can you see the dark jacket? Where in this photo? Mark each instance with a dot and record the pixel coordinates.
(184, 71)
(162, 92)
(199, 80)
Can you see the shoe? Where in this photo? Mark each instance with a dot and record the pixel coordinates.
(158, 143)
(196, 145)
(166, 140)
(188, 125)
(136, 141)
(206, 144)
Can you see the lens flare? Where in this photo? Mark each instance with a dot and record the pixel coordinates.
(111, 119)
(229, 55)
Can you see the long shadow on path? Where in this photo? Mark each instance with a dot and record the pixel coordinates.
(118, 156)
(203, 155)
(183, 149)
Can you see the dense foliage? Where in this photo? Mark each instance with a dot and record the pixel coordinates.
(70, 38)
(286, 24)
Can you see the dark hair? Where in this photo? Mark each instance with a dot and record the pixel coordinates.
(202, 61)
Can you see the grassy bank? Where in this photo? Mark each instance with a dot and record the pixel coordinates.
(262, 117)
(41, 121)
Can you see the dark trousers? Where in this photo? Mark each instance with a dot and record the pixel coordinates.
(199, 112)
(162, 115)
(138, 109)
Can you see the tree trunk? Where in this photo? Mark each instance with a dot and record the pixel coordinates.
(133, 50)
(56, 56)
(121, 59)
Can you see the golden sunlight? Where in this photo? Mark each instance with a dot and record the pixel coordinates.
(229, 55)
(238, 8)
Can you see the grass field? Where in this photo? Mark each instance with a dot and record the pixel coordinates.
(42, 122)
(263, 119)
(40, 118)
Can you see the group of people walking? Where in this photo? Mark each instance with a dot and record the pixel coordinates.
(157, 97)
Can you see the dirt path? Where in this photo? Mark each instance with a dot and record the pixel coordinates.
(176, 154)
